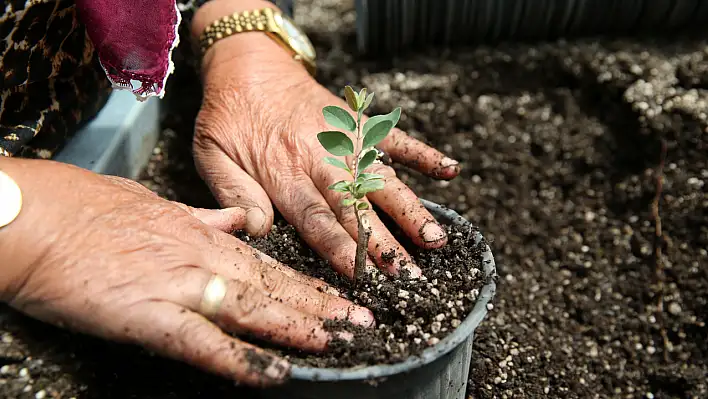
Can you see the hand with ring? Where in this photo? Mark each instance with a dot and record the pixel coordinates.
(105, 256)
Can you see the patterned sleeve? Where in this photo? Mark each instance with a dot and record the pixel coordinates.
(29, 108)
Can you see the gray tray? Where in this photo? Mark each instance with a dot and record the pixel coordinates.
(119, 140)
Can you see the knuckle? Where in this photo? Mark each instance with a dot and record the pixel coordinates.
(248, 301)
(347, 216)
(318, 219)
(196, 330)
(272, 281)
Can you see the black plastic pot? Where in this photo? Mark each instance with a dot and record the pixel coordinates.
(440, 372)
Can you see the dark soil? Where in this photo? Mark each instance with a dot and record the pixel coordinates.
(410, 315)
(560, 145)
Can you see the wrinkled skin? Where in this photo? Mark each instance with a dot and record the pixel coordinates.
(105, 256)
(256, 142)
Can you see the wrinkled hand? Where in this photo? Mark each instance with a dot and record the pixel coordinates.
(105, 256)
(256, 141)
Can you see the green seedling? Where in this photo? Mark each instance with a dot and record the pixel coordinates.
(363, 154)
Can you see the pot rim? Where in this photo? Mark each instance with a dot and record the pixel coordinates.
(429, 355)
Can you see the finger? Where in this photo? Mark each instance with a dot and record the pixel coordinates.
(313, 218)
(227, 220)
(177, 333)
(277, 285)
(233, 187)
(387, 252)
(415, 154)
(245, 309)
(401, 204)
(229, 242)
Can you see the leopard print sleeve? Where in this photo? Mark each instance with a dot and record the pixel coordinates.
(55, 94)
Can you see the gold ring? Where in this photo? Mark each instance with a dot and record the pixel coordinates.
(214, 294)
(10, 199)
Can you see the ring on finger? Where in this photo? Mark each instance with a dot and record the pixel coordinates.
(213, 296)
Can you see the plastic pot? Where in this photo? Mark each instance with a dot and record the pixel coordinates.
(440, 372)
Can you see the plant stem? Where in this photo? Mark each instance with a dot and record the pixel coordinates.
(363, 231)
(362, 242)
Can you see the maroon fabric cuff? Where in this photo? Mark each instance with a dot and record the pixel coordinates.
(134, 40)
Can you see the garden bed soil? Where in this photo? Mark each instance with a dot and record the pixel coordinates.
(560, 145)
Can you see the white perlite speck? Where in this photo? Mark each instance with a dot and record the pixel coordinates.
(435, 327)
(403, 294)
(41, 394)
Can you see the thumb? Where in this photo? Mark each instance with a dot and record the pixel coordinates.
(233, 187)
(227, 220)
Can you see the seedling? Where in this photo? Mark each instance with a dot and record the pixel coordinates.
(363, 154)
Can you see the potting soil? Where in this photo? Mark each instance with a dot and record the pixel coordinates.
(561, 147)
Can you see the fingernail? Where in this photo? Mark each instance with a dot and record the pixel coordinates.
(255, 221)
(277, 370)
(447, 162)
(432, 232)
(361, 316)
(414, 272)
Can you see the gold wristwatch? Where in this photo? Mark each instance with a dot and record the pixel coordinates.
(273, 23)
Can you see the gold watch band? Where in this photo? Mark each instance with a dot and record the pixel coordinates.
(246, 21)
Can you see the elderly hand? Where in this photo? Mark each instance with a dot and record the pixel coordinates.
(105, 256)
(255, 141)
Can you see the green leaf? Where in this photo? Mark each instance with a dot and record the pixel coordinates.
(349, 201)
(336, 162)
(337, 143)
(361, 97)
(369, 186)
(368, 100)
(367, 159)
(352, 99)
(369, 176)
(339, 118)
(392, 116)
(377, 133)
(362, 206)
(340, 186)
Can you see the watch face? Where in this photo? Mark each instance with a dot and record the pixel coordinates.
(297, 38)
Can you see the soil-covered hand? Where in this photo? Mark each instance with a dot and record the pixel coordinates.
(256, 141)
(105, 256)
